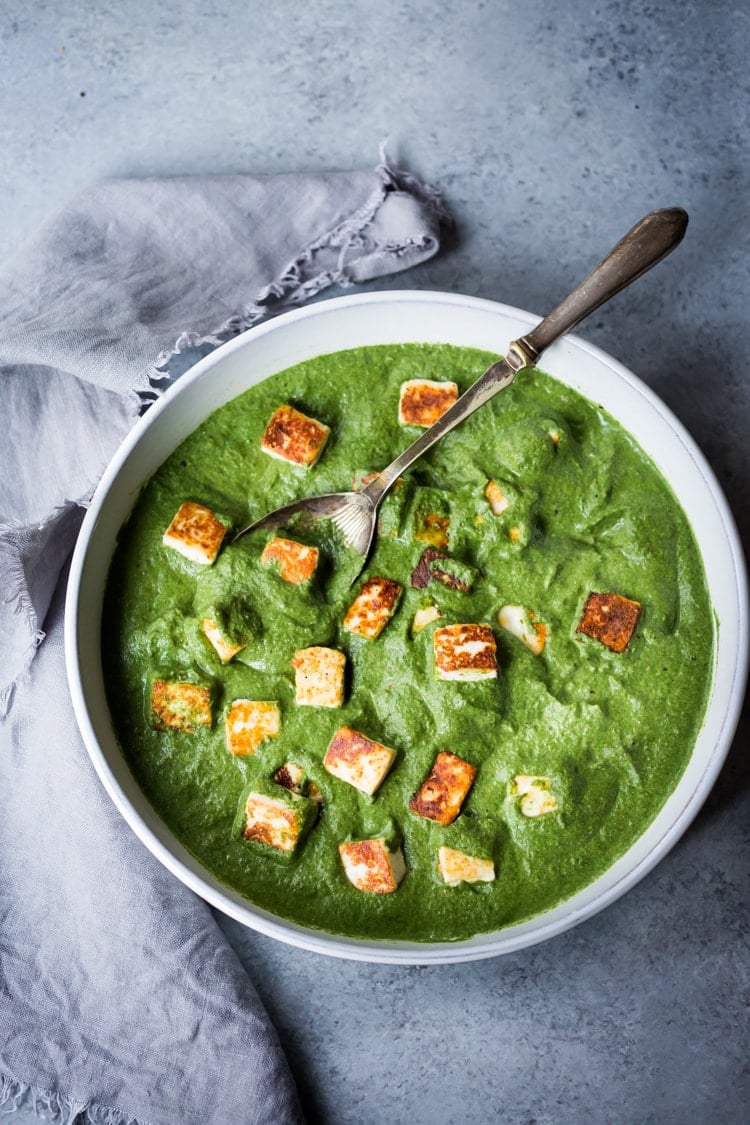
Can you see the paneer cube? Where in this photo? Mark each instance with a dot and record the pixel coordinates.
(465, 652)
(611, 619)
(294, 437)
(444, 789)
(224, 648)
(424, 617)
(373, 607)
(296, 561)
(423, 401)
(521, 623)
(180, 706)
(358, 760)
(291, 776)
(537, 798)
(458, 867)
(496, 498)
(195, 533)
(371, 866)
(250, 722)
(319, 676)
(278, 822)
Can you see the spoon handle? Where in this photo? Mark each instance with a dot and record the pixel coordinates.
(642, 247)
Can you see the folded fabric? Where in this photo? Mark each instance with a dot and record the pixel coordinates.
(118, 993)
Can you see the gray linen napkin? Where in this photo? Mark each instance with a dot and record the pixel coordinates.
(119, 996)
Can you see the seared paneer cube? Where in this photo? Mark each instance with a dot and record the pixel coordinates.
(371, 866)
(250, 722)
(611, 619)
(291, 776)
(522, 624)
(196, 533)
(225, 648)
(319, 676)
(275, 818)
(296, 562)
(179, 706)
(465, 652)
(358, 760)
(444, 789)
(496, 498)
(537, 798)
(373, 607)
(423, 401)
(457, 867)
(292, 436)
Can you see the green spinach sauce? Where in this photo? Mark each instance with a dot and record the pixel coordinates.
(612, 731)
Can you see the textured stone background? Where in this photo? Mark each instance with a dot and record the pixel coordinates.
(550, 129)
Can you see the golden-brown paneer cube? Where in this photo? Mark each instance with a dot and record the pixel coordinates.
(250, 722)
(444, 789)
(423, 401)
(372, 608)
(611, 619)
(319, 676)
(195, 533)
(537, 798)
(273, 822)
(358, 760)
(296, 561)
(180, 706)
(458, 867)
(371, 866)
(292, 436)
(291, 777)
(522, 624)
(224, 648)
(465, 652)
(496, 498)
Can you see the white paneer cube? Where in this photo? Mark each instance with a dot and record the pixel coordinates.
(537, 798)
(458, 867)
(319, 676)
(224, 648)
(371, 866)
(250, 722)
(358, 760)
(423, 401)
(424, 617)
(521, 623)
(372, 608)
(496, 498)
(294, 437)
(465, 652)
(273, 822)
(195, 533)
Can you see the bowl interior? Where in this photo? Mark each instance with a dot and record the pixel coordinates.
(402, 317)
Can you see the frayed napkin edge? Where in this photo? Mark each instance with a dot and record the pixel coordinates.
(292, 288)
(58, 1108)
(18, 596)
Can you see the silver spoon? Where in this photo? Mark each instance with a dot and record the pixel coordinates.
(354, 513)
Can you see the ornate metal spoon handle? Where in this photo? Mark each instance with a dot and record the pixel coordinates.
(643, 246)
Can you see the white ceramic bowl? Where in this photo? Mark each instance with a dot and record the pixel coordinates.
(393, 317)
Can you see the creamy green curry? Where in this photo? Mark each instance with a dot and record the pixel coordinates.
(477, 727)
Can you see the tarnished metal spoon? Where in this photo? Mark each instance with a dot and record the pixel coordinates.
(355, 513)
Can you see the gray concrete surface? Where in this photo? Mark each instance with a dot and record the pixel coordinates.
(550, 128)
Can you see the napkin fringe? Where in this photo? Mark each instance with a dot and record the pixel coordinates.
(58, 1108)
(296, 284)
(17, 596)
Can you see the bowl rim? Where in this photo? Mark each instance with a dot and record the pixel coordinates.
(168, 850)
